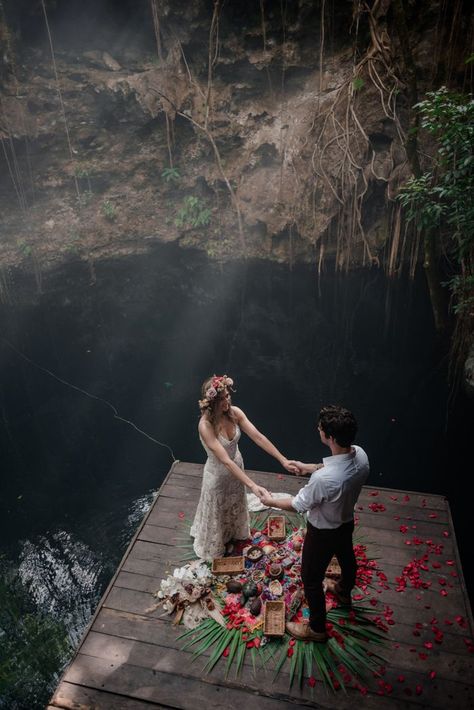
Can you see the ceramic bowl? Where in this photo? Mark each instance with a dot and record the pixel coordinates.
(254, 553)
(275, 571)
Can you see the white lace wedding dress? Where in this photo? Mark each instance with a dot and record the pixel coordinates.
(222, 513)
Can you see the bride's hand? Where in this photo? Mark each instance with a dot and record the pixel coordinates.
(291, 466)
(296, 467)
(267, 500)
(260, 491)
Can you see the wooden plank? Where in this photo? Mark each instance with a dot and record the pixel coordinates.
(77, 697)
(178, 691)
(131, 657)
(448, 658)
(163, 535)
(121, 656)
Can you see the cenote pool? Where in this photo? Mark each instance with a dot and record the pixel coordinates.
(142, 335)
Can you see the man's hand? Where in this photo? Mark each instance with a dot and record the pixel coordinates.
(267, 499)
(291, 466)
(260, 492)
(304, 469)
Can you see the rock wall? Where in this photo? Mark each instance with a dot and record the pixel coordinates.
(242, 129)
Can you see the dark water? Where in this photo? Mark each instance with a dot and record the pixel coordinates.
(76, 482)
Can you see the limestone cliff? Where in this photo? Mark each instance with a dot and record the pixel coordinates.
(257, 128)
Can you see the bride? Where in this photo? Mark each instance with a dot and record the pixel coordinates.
(222, 513)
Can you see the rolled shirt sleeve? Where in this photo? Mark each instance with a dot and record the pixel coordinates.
(311, 495)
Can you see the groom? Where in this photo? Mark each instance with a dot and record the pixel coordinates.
(328, 499)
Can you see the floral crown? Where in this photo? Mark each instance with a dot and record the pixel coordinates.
(218, 384)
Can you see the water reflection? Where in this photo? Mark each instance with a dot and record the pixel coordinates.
(143, 338)
(61, 574)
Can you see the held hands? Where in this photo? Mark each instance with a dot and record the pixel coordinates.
(291, 466)
(304, 469)
(267, 499)
(260, 492)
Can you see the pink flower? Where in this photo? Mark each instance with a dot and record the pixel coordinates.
(211, 393)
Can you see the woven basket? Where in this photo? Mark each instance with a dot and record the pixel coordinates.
(274, 619)
(228, 565)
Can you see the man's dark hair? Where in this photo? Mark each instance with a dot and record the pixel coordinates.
(339, 423)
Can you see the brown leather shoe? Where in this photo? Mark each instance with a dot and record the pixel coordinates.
(304, 632)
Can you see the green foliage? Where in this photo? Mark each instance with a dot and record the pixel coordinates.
(439, 201)
(357, 651)
(193, 213)
(358, 83)
(84, 198)
(109, 210)
(171, 175)
(81, 171)
(33, 648)
(25, 249)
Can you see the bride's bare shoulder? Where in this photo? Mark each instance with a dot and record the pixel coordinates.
(205, 426)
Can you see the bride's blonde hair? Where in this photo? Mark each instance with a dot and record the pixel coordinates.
(211, 388)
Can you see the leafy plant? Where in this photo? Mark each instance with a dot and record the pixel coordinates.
(25, 249)
(81, 171)
(171, 175)
(84, 198)
(109, 210)
(33, 647)
(438, 201)
(193, 213)
(353, 648)
(358, 83)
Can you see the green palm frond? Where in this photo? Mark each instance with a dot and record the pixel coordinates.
(354, 650)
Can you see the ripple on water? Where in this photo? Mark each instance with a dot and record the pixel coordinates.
(62, 575)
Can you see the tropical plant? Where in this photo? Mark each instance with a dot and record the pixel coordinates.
(193, 213)
(437, 201)
(349, 656)
(109, 211)
(171, 175)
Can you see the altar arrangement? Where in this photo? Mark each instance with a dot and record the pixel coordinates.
(235, 609)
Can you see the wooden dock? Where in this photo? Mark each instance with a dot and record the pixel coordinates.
(130, 659)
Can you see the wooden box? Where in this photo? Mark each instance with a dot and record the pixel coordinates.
(276, 527)
(228, 565)
(274, 619)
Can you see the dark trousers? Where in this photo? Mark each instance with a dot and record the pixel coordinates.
(318, 549)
